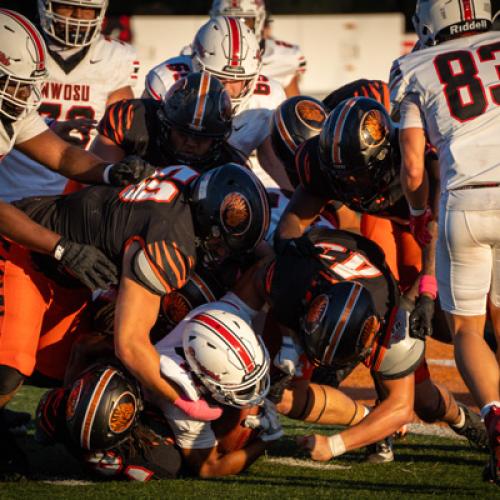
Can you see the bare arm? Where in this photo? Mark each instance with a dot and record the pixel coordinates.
(136, 313)
(300, 213)
(414, 179)
(17, 226)
(273, 165)
(292, 89)
(212, 463)
(57, 155)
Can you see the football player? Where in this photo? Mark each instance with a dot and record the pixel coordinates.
(355, 161)
(281, 60)
(22, 72)
(151, 230)
(227, 48)
(87, 72)
(449, 92)
(190, 125)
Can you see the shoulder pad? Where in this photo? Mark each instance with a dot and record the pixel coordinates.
(398, 354)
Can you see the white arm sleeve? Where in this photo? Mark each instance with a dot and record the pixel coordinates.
(411, 115)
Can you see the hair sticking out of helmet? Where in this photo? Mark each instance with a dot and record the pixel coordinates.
(340, 326)
(230, 212)
(228, 358)
(22, 65)
(252, 12)
(438, 20)
(355, 148)
(227, 48)
(72, 30)
(294, 121)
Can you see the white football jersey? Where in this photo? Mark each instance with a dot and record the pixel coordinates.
(251, 123)
(189, 433)
(108, 65)
(19, 131)
(282, 61)
(457, 86)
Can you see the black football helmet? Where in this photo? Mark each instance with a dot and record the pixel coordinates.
(102, 407)
(294, 121)
(196, 105)
(356, 149)
(230, 212)
(339, 326)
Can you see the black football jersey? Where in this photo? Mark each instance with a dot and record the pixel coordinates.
(291, 280)
(134, 126)
(153, 213)
(389, 203)
(375, 89)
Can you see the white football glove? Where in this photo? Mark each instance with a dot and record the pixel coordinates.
(287, 359)
(267, 422)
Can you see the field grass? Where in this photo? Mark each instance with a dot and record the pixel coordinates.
(425, 466)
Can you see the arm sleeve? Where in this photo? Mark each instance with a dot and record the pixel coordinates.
(411, 115)
(30, 126)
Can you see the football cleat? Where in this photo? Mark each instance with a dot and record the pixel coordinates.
(380, 452)
(473, 429)
(492, 422)
(15, 422)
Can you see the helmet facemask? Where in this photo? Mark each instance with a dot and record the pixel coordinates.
(71, 31)
(19, 96)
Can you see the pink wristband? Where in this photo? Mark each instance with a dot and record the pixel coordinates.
(428, 284)
(198, 410)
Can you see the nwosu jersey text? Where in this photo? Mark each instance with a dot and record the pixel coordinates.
(77, 88)
(153, 213)
(458, 87)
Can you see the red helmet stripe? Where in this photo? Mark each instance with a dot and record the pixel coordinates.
(201, 101)
(339, 128)
(37, 39)
(467, 10)
(238, 348)
(234, 41)
(337, 333)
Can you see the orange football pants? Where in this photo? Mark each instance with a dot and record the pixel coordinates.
(39, 319)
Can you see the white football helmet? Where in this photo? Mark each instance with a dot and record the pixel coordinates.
(228, 358)
(71, 31)
(227, 48)
(434, 18)
(22, 65)
(245, 9)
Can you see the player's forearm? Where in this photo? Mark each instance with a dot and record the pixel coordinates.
(383, 421)
(82, 166)
(429, 252)
(234, 462)
(17, 226)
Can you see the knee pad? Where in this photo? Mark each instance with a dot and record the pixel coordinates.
(10, 380)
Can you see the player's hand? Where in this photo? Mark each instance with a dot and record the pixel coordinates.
(421, 317)
(279, 383)
(87, 264)
(317, 446)
(302, 247)
(66, 129)
(419, 227)
(130, 170)
(199, 409)
(288, 358)
(267, 422)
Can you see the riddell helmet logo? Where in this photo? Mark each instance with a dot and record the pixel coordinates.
(235, 214)
(316, 313)
(476, 25)
(310, 114)
(4, 59)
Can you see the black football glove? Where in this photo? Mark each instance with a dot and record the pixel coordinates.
(421, 318)
(301, 247)
(130, 170)
(87, 264)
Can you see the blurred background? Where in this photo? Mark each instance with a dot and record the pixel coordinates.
(342, 40)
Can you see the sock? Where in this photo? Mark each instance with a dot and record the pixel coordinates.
(486, 408)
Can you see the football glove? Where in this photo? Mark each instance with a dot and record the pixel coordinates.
(267, 422)
(421, 318)
(130, 170)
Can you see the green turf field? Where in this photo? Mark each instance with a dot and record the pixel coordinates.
(424, 466)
